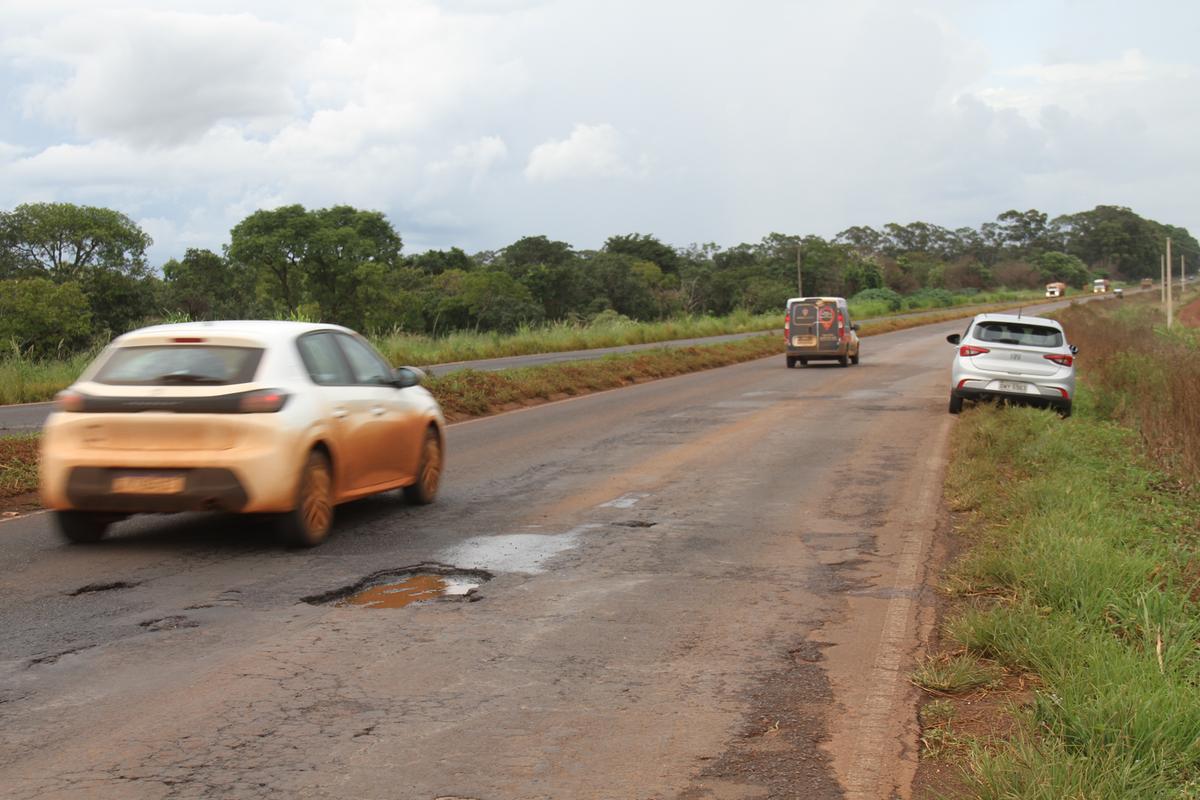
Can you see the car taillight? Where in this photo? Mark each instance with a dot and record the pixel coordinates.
(841, 326)
(787, 324)
(67, 400)
(1065, 360)
(265, 401)
(968, 350)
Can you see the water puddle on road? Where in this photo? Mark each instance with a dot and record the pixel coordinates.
(415, 589)
(406, 586)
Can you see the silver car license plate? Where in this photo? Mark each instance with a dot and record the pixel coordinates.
(1013, 386)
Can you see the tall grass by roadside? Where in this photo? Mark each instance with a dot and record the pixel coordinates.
(1146, 376)
(1085, 572)
(18, 464)
(606, 330)
(24, 379)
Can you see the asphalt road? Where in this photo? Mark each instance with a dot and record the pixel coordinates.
(709, 586)
(30, 416)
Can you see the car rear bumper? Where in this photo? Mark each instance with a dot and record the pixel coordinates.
(1045, 396)
(91, 488)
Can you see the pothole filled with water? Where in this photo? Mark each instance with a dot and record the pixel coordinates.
(397, 588)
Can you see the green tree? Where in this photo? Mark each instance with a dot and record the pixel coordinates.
(435, 262)
(274, 244)
(41, 317)
(645, 248)
(1069, 269)
(205, 285)
(341, 240)
(64, 241)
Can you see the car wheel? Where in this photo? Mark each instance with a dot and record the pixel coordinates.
(854, 358)
(791, 362)
(82, 527)
(309, 523)
(955, 403)
(844, 361)
(1064, 410)
(429, 473)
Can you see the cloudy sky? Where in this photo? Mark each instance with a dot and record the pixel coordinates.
(474, 122)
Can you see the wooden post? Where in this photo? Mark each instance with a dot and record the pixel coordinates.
(1162, 279)
(799, 271)
(1170, 319)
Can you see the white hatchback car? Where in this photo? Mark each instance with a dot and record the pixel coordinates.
(1016, 358)
(283, 418)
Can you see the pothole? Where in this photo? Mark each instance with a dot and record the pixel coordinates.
(397, 588)
(170, 623)
(103, 587)
(636, 523)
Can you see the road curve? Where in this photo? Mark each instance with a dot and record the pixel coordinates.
(30, 416)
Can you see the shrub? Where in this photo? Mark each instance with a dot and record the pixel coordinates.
(40, 317)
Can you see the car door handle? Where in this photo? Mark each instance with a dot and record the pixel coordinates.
(339, 413)
(377, 411)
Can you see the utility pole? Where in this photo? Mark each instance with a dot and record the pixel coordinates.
(1162, 279)
(1170, 320)
(799, 270)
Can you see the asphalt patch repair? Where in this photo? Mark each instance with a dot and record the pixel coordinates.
(405, 586)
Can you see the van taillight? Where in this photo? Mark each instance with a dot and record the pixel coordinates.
(968, 350)
(265, 401)
(67, 400)
(841, 326)
(787, 325)
(1065, 360)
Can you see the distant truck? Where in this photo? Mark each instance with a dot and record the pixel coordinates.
(1056, 289)
(1101, 286)
(1147, 283)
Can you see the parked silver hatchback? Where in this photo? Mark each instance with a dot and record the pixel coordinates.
(1015, 358)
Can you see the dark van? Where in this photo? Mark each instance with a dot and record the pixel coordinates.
(819, 329)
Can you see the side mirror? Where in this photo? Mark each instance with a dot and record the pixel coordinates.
(404, 377)
(954, 338)
(1074, 350)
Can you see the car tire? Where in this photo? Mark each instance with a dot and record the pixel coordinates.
(956, 403)
(429, 473)
(1064, 410)
(82, 527)
(309, 523)
(854, 358)
(791, 362)
(844, 361)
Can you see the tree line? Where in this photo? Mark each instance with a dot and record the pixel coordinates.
(72, 274)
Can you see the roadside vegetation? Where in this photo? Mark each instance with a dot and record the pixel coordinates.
(18, 465)
(1074, 615)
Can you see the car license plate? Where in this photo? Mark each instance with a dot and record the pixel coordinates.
(1011, 386)
(148, 484)
(803, 341)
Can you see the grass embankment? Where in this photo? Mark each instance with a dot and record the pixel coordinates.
(18, 465)
(1081, 584)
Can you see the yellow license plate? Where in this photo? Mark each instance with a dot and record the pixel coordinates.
(803, 341)
(148, 484)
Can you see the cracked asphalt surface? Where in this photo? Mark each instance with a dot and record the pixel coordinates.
(704, 587)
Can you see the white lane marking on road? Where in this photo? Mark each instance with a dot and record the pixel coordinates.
(867, 778)
(627, 500)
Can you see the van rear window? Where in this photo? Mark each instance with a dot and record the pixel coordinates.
(1018, 333)
(180, 365)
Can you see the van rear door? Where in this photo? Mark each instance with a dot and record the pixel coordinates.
(803, 325)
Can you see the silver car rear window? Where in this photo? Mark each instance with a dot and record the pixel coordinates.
(1018, 333)
(179, 365)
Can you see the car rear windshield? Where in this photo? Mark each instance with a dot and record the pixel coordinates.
(179, 365)
(1018, 333)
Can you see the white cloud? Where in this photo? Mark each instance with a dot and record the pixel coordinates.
(154, 78)
(591, 151)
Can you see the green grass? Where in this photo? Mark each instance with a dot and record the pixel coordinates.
(954, 674)
(1085, 571)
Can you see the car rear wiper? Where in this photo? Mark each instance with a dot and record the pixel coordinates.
(187, 377)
